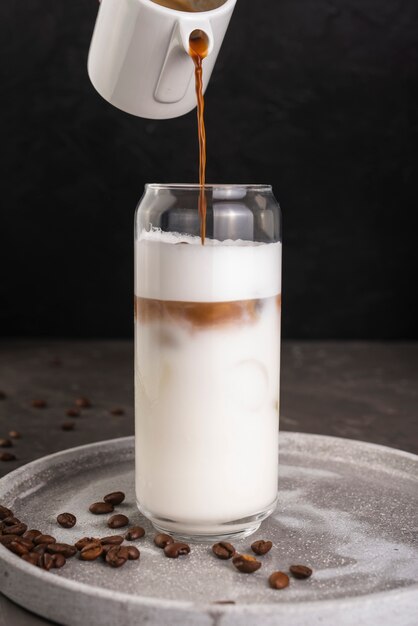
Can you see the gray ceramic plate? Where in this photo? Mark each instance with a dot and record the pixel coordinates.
(348, 509)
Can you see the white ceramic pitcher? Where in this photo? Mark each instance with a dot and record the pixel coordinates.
(139, 61)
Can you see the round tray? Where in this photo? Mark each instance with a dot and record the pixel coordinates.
(346, 508)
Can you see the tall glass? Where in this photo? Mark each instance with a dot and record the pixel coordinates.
(207, 358)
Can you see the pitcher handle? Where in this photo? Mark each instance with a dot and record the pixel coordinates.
(177, 69)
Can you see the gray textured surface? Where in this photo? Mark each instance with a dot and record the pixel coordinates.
(360, 541)
(363, 391)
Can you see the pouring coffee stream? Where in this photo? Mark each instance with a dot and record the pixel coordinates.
(198, 51)
(146, 71)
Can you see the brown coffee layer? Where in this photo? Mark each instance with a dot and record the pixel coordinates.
(200, 314)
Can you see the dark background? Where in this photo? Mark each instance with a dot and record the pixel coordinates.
(319, 98)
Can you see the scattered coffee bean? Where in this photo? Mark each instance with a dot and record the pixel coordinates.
(246, 564)
(162, 540)
(5, 512)
(17, 529)
(106, 548)
(46, 561)
(100, 508)
(223, 550)
(5, 443)
(117, 556)
(25, 542)
(176, 549)
(117, 411)
(11, 521)
(31, 534)
(47, 539)
(134, 533)
(116, 497)
(279, 580)
(67, 426)
(83, 403)
(113, 540)
(91, 551)
(300, 571)
(7, 456)
(41, 549)
(62, 548)
(117, 521)
(14, 434)
(72, 412)
(84, 541)
(6, 540)
(31, 557)
(2, 395)
(59, 560)
(66, 520)
(261, 547)
(18, 548)
(39, 404)
(133, 553)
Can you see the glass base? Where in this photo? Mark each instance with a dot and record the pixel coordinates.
(237, 529)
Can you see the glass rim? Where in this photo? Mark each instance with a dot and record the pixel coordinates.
(209, 187)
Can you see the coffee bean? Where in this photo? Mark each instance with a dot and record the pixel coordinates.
(5, 512)
(66, 520)
(113, 540)
(134, 533)
(176, 549)
(83, 403)
(133, 553)
(59, 560)
(18, 548)
(223, 550)
(117, 411)
(27, 543)
(14, 434)
(67, 426)
(99, 508)
(11, 521)
(162, 540)
(117, 556)
(72, 412)
(31, 534)
(31, 557)
(46, 561)
(91, 551)
(300, 571)
(62, 548)
(2, 395)
(261, 547)
(6, 540)
(47, 539)
(117, 521)
(40, 549)
(17, 529)
(84, 541)
(106, 548)
(7, 456)
(279, 580)
(5, 443)
(116, 497)
(39, 404)
(246, 564)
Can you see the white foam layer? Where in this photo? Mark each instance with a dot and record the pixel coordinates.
(216, 272)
